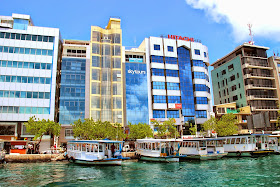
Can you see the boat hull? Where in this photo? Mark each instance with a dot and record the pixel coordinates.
(250, 153)
(204, 157)
(114, 162)
(159, 159)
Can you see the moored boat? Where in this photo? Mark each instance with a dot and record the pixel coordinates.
(247, 145)
(95, 152)
(2, 152)
(202, 149)
(158, 150)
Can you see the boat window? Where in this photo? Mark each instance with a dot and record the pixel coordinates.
(202, 144)
(243, 140)
(237, 140)
(84, 147)
(232, 141)
(100, 148)
(228, 141)
(220, 143)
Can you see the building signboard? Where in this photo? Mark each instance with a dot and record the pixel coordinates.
(175, 37)
(175, 105)
(135, 59)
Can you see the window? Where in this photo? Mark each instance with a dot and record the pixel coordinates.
(232, 78)
(201, 100)
(205, 54)
(158, 72)
(224, 72)
(69, 133)
(223, 82)
(237, 75)
(200, 75)
(159, 99)
(202, 87)
(172, 73)
(233, 88)
(158, 113)
(25, 50)
(173, 114)
(173, 86)
(20, 79)
(170, 60)
(199, 63)
(240, 96)
(197, 51)
(156, 47)
(201, 114)
(159, 85)
(234, 98)
(170, 48)
(217, 75)
(174, 99)
(224, 92)
(230, 67)
(239, 85)
(157, 59)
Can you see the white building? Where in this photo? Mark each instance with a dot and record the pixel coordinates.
(30, 59)
(178, 79)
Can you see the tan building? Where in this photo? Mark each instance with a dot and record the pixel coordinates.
(240, 113)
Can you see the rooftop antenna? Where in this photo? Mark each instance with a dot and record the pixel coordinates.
(250, 34)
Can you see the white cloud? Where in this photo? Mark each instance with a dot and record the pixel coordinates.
(263, 15)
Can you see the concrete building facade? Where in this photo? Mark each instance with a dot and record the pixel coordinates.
(246, 77)
(30, 61)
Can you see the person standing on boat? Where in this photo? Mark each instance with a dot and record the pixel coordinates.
(113, 149)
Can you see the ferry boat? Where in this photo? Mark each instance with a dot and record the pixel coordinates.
(158, 150)
(274, 143)
(2, 152)
(247, 145)
(202, 149)
(95, 152)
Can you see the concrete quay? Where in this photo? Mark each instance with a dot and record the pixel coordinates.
(22, 158)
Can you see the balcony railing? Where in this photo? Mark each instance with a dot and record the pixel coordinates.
(254, 55)
(264, 107)
(262, 85)
(259, 75)
(263, 96)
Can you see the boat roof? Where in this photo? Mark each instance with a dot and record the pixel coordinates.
(159, 140)
(204, 139)
(95, 141)
(244, 135)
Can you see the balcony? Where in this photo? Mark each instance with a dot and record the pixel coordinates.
(75, 54)
(264, 108)
(261, 97)
(260, 86)
(258, 76)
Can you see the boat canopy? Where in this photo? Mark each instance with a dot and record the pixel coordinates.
(95, 141)
(205, 139)
(158, 140)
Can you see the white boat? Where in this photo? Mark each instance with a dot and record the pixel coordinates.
(2, 152)
(158, 150)
(202, 149)
(274, 143)
(95, 152)
(247, 145)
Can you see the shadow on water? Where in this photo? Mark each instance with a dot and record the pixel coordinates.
(224, 172)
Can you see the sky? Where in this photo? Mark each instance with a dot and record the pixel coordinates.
(221, 25)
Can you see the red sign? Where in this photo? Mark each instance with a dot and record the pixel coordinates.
(152, 119)
(178, 105)
(180, 38)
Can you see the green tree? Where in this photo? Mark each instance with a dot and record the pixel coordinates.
(227, 125)
(96, 130)
(278, 119)
(167, 129)
(210, 124)
(139, 131)
(193, 129)
(39, 128)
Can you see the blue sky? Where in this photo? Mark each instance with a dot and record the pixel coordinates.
(140, 19)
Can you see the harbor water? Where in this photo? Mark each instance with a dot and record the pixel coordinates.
(225, 172)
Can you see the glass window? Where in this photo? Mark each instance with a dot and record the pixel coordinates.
(27, 50)
(14, 79)
(47, 95)
(95, 36)
(21, 50)
(95, 61)
(95, 48)
(158, 114)
(6, 49)
(38, 51)
(116, 89)
(45, 39)
(24, 79)
(8, 78)
(31, 65)
(201, 100)
(173, 114)
(19, 79)
(2, 34)
(172, 73)
(4, 63)
(34, 37)
(36, 79)
(157, 59)
(197, 51)
(41, 95)
(48, 66)
(33, 51)
(174, 99)
(170, 60)
(10, 64)
(7, 35)
(116, 63)
(17, 94)
(46, 110)
(16, 50)
(50, 52)
(95, 88)
(30, 79)
(28, 37)
(20, 64)
(21, 110)
(159, 85)
(37, 65)
(6, 93)
(14, 64)
(17, 36)
(23, 36)
(43, 66)
(25, 65)
(170, 48)
(35, 95)
(44, 52)
(205, 54)
(42, 80)
(156, 47)
(158, 72)
(116, 50)
(40, 38)
(51, 38)
(159, 99)
(95, 74)
(34, 110)
(27, 110)
(201, 114)
(1, 93)
(23, 94)
(29, 94)
(13, 35)
(173, 86)
(11, 49)
(48, 81)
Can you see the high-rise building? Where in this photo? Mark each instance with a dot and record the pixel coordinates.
(30, 59)
(178, 80)
(136, 108)
(74, 86)
(106, 91)
(246, 77)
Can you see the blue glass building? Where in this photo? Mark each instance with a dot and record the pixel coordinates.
(72, 90)
(136, 93)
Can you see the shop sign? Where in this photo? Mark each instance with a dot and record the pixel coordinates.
(175, 37)
(135, 59)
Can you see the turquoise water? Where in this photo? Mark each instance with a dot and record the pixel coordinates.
(263, 171)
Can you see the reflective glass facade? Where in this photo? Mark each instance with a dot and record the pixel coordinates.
(136, 93)
(72, 90)
(185, 74)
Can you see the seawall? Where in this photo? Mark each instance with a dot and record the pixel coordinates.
(34, 158)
